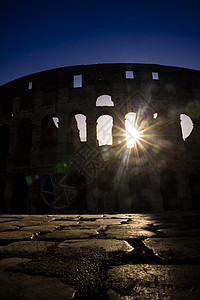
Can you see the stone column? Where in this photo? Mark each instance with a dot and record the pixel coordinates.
(91, 131)
(185, 200)
(36, 130)
(156, 204)
(92, 196)
(36, 139)
(11, 153)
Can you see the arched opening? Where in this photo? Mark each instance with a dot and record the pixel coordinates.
(169, 190)
(104, 100)
(50, 124)
(155, 115)
(82, 127)
(140, 192)
(132, 134)
(24, 142)
(186, 126)
(5, 139)
(6, 112)
(20, 194)
(194, 184)
(104, 130)
(77, 128)
(49, 138)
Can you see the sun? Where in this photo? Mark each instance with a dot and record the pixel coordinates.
(132, 134)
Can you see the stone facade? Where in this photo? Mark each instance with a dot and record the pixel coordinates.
(46, 168)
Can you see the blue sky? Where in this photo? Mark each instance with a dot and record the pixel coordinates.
(40, 35)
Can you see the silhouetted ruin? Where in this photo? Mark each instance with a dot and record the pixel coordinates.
(64, 140)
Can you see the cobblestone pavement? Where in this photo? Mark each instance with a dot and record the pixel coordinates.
(122, 256)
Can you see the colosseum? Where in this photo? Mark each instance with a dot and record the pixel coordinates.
(100, 138)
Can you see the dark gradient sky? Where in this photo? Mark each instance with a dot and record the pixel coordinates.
(39, 35)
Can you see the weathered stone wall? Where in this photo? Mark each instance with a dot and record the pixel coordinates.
(162, 172)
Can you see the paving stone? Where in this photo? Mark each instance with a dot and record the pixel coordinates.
(23, 223)
(36, 217)
(171, 232)
(166, 293)
(88, 224)
(177, 275)
(128, 233)
(64, 217)
(139, 294)
(113, 295)
(138, 223)
(127, 276)
(153, 282)
(107, 245)
(70, 234)
(20, 286)
(131, 226)
(83, 243)
(7, 227)
(12, 262)
(2, 220)
(24, 247)
(174, 248)
(90, 217)
(64, 223)
(40, 228)
(117, 216)
(166, 225)
(108, 221)
(15, 235)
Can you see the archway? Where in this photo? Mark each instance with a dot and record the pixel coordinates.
(24, 142)
(132, 134)
(186, 126)
(49, 139)
(6, 112)
(104, 100)
(82, 127)
(104, 130)
(77, 128)
(20, 194)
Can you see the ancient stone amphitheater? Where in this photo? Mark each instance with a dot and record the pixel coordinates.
(100, 138)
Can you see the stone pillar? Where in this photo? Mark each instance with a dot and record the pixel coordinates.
(36, 139)
(156, 204)
(90, 97)
(8, 192)
(36, 130)
(173, 127)
(62, 139)
(11, 154)
(117, 130)
(92, 196)
(91, 131)
(125, 195)
(185, 201)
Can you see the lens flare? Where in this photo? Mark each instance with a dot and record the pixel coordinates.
(139, 139)
(132, 133)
